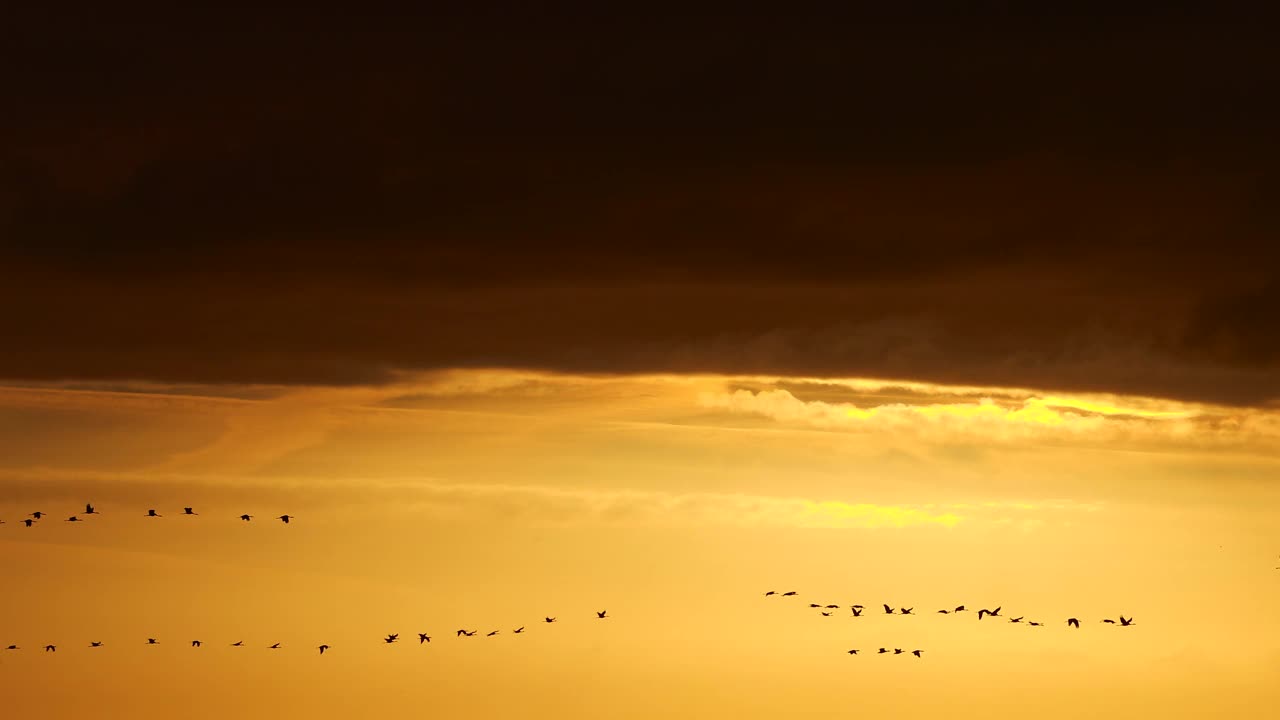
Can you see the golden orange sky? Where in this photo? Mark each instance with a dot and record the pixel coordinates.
(488, 499)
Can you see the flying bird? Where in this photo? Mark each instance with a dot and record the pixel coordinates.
(189, 511)
(1073, 623)
(89, 510)
(153, 513)
(944, 612)
(51, 648)
(1033, 623)
(826, 614)
(323, 648)
(238, 644)
(857, 611)
(28, 522)
(906, 611)
(771, 592)
(94, 644)
(992, 613)
(897, 651)
(37, 514)
(1017, 619)
(495, 632)
(853, 652)
(550, 619)
(601, 614)
(285, 519)
(391, 638)
(423, 637)
(959, 609)
(73, 518)
(833, 607)
(246, 517)
(13, 647)
(460, 633)
(152, 641)
(1109, 620)
(882, 651)
(195, 643)
(1125, 622)
(789, 594)
(274, 647)
(518, 630)
(917, 652)
(814, 605)
(888, 610)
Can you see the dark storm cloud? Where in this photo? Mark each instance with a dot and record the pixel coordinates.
(1066, 202)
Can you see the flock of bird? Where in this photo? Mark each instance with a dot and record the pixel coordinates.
(388, 640)
(35, 517)
(828, 610)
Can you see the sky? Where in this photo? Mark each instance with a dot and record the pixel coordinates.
(526, 314)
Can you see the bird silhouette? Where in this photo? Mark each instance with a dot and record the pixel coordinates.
(1073, 623)
(391, 638)
(992, 613)
(814, 605)
(959, 609)
(285, 519)
(550, 620)
(423, 637)
(826, 614)
(274, 647)
(1125, 622)
(518, 630)
(246, 517)
(790, 593)
(189, 511)
(888, 610)
(152, 641)
(917, 652)
(882, 651)
(601, 614)
(1109, 620)
(28, 522)
(460, 633)
(13, 647)
(1017, 619)
(491, 634)
(944, 612)
(470, 633)
(323, 648)
(89, 510)
(94, 644)
(153, 513)
(37, 514)
(1033, 623)
(73, 518)
(50, 648)
(857, 611)
(195, 643)
(906, 611)
(771, 592)
(238, 644)
(897, 651)
(853, 652)
(833, 607)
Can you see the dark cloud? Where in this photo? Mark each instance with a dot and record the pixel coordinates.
(1058, 201)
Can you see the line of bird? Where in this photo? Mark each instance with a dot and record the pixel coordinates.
(89, 509)
(827, 611)
(388, 640)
